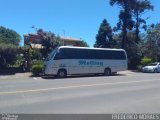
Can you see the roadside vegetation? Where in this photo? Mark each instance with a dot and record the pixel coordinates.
(37, 68)
(25, 59)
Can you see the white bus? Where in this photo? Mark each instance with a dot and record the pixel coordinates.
(66, 60)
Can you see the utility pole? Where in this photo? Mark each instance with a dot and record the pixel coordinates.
(64, 36)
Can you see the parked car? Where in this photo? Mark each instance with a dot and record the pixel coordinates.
(152, 67)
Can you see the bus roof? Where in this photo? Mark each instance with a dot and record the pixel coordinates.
(91, 48)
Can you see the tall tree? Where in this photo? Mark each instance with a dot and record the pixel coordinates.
(9, 36)
(139, 7)
(125, 18)
(104, 36)
(50, 41)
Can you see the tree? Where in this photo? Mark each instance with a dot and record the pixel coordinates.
(152, 44)
(9, 40)
(9, 36)
(50, 41)
(125, 18)
(8, 54)
(138, 9)
(104, 36)
(132, 49)
(83, 44)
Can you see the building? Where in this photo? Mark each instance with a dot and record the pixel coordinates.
(36, 40)
(70, 41)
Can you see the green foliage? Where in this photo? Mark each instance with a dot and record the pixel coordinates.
(130, 17)
(36, 54)
(145, 61)
(130, 22)
(37, 68)
(125, 18)
(9, 36)
(83, 44)
(28, 53)
(38, 62)
(139, 7)
(8, 54)
(50, 41)
(152, 44)
(133, 56)
(19, 60)
(9, 40)
(132, 49)
(104, 36)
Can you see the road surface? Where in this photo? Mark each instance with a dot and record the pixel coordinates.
(126, 92)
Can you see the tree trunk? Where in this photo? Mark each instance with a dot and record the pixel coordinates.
(124, 29)
(137, 27)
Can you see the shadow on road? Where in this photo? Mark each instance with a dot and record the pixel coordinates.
(79, 76)
(10, 71)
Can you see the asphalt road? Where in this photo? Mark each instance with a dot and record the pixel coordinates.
(126, 92)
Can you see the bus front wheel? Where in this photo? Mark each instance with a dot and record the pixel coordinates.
(62, 73)
(107, 72)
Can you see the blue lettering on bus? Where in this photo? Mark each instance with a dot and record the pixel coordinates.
(96, 63)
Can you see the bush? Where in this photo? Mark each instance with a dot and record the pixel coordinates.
(146, 61)
(37, 68)
(8, 54)
(38, 62)
(140, 68)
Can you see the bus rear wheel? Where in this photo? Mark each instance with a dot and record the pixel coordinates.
(107, 72)
(62, 73)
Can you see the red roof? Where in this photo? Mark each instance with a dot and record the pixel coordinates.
(70, 39)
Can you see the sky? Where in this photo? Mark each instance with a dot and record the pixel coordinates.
(72, 18)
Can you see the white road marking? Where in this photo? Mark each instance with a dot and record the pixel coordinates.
(35, 78)
(79, 86)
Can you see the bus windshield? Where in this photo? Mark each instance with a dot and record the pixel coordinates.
(51, 55)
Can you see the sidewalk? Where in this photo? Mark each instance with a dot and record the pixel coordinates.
(15, 76)
(127, 72)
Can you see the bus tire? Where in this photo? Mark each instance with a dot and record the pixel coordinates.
(62, 73)
(107, 72)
